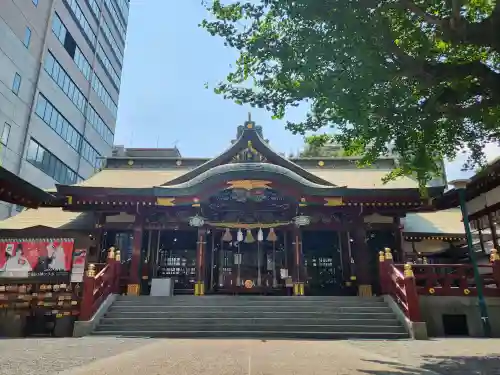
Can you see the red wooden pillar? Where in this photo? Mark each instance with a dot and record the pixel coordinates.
(361, 260)
(411, 294)
(298, 264)
(201, 244)
(135, 263)
(86, 309)
(114, 264)
(385, 264)
(398, 235)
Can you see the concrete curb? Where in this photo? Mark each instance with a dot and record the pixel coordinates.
(417, 330)
(84, 328)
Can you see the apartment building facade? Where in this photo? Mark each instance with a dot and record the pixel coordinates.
(60, 70)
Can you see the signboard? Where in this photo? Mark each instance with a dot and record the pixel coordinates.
(45, 257)
(78, 268)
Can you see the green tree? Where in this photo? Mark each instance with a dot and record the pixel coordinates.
(421, 75)
(326, 151)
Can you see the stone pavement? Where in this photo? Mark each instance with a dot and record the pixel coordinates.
(121, 356)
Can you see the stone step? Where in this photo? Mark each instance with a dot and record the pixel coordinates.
(252, 308)
(224, 314)
(244, 303)
(268, 321)
(251, 298)
(242, 326)
(242, 334)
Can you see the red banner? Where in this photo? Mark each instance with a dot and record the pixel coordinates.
(31, 257)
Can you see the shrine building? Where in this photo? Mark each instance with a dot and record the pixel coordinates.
(247, 221)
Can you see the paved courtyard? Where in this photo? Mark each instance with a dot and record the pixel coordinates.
(126, 356)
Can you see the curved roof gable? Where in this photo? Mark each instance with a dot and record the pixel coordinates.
(238, 170)
(249, 135)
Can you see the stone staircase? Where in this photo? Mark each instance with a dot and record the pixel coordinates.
(252, 317)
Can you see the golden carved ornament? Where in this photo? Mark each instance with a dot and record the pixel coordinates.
(388, 254)
(91, 270)
(249, 184)
(381, 257)
(111, 253)
(408, 271)
(494, 255)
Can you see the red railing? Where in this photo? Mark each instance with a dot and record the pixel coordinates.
(97, 287)
(457, 279)
(406, 282)
(400, 285)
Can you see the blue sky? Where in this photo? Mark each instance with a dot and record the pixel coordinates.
(163, 101)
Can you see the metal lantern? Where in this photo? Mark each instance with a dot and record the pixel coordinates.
(302, 220)
(196, 221)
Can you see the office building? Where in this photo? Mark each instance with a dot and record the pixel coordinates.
(60, 69)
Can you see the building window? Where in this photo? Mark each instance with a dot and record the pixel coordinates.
(27, 36)
(35, 2)
(5, 134)
(70, 46)
(59, 75)
(103, 94)
(48, 163)
(90, 154)
(112, 42)
(115, 78)
(52, 117)
(16, 84)
(99, 125)
(85, 25)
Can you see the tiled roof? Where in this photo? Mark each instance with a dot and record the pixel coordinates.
(133, 178)
(362, 178)
(139, 178)
(48, 217)
(440, 222)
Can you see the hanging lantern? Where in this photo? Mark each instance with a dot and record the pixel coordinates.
(301, 220)
(239, 236)
(196, 221)
(249, 237)
(272, 235)
(260, 235)
(227, 237)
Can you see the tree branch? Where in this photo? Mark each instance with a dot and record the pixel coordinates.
(411, 6)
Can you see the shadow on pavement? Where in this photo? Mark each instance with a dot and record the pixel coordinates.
(488, 365)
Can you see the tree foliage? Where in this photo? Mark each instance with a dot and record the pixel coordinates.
(312, 151)
(419, 75)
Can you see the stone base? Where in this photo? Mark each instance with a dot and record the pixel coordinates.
(365, 291)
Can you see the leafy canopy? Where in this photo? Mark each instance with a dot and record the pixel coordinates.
(419, 76)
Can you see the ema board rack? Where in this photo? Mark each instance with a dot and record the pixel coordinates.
(33, 307)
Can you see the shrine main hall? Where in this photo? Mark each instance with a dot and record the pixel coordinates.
(247, 221)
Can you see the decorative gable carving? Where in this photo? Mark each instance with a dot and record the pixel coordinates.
(249, 155)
